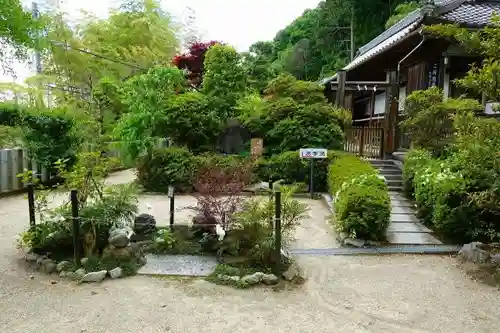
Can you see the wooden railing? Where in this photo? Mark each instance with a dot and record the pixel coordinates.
(365, 141)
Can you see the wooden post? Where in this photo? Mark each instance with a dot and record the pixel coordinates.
(277, 232)
(76, 227)
(340, 97)
(391, 112)
(362, 141)
(31, 203)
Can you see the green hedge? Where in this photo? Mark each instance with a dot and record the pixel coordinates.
(177, 167)
(289, 167)
(167, 167)
(453, 201)
(49, 135)
(361, 198)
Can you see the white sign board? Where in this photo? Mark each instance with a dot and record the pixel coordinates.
(313, 153)
(170, 192)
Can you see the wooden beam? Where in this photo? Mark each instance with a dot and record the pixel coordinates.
(340, 96)
(391, 113)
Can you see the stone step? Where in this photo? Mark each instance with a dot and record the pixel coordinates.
(412, 238)
(395, 188)
(408, 227)
(394, 182)
(392, 171)
(380, 163)
(404, 218)
(393, 177)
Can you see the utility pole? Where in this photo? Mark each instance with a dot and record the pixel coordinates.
(36, 15)
(352, 32)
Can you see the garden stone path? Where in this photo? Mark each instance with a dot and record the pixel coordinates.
(392, 294)
(405, 228)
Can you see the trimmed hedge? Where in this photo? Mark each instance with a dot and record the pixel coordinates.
(176, 166)
(289, 167)
(167, 167)
(361, 198)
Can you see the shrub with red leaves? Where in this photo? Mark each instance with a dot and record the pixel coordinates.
(218, 192)
(192, 61)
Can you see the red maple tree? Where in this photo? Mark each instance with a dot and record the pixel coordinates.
(192, 61)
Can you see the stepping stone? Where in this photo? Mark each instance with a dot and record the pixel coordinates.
(408, 227)
(178, 265)
(398, 203)
(420, 249)
(396, 218)
(411, 238)
(402, 210)
(341, 251)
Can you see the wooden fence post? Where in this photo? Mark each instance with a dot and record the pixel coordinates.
(277, 232)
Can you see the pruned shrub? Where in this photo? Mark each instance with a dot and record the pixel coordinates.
(289, 167)
(167, 167)
(361, 198)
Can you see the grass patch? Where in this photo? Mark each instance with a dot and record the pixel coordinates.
(224, 274)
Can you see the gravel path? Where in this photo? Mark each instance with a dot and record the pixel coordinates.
(342, 294)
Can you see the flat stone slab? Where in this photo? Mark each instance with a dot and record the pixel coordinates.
(413, 238)
(393, 249)
(340, 251)
(408, 227)
(395, 218)
(178, 265)
(402, 210)
(400, 203)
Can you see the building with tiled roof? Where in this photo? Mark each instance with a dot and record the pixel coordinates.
(403, 59)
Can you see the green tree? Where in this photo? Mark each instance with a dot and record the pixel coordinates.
(317, 43)
(146, 97)
(401, 11)
(293, 114)
(224, 80)
(17, 30)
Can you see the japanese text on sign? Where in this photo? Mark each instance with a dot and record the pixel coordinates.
(313, 153)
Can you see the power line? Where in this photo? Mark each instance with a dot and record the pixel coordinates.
(65, 45)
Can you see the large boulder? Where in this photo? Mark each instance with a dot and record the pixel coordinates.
(144, 224)
(119, 238)
(132, 253)
(474, 252)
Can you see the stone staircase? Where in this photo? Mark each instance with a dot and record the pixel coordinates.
(392, 174)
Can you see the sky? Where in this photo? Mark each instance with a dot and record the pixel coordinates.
(236, 22)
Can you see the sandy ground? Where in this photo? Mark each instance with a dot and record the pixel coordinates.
(342, 294)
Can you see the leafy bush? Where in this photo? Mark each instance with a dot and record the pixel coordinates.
(289, 167)
(362, 203)
(293, 114)
(100, 209)
(167, 167)
(413, 162)
(344, 168)
(218, 189)
(49, 135)
(251, 234)
(429, 118)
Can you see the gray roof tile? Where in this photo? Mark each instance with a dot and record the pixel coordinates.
(473, 13)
